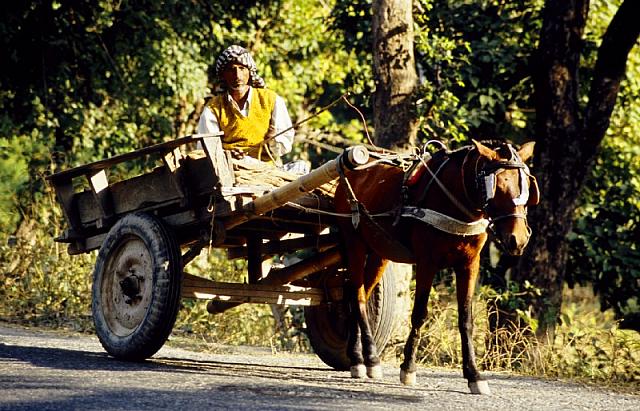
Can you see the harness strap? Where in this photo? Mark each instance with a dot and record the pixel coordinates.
(353, 201)
(426, 189)
(450, 196)
(445, 223)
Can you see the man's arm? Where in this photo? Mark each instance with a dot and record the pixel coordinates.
(281, 121)
(208, 122)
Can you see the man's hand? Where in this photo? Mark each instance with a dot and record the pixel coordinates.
(237, 153)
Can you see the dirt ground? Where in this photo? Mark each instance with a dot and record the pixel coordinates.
(48, 370)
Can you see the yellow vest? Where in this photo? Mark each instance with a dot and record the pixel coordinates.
(242, 132)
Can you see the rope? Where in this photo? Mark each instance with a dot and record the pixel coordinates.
(364, 122)
(316, 114)
(211, 208)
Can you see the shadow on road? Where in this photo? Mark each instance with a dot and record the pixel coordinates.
(210, 384)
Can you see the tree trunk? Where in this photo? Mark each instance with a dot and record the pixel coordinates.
(394, 117)
(395, 75)
(566, 143)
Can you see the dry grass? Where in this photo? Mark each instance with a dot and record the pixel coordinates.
(588, 345)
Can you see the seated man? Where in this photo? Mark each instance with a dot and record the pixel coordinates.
(249, 114)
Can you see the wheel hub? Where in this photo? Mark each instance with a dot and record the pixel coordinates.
(131, 288)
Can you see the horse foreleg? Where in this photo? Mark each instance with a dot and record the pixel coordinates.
(424, 279)
(466, 278)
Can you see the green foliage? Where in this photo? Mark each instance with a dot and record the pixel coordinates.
(474, 59)
(588, 344)
(108, 77)
(604, 242)
(513, 299)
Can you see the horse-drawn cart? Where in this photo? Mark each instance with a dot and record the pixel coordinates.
(149, 227)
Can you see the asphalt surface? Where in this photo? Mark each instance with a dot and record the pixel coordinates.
(48, 370)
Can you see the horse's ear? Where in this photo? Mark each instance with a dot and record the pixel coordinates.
(526, 151)
(484, 150)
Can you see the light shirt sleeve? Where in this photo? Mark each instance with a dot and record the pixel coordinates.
(208, 122)
(281, 121)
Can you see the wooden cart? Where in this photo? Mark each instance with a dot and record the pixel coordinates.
(149, 227)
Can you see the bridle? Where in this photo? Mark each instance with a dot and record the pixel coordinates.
(485, 181)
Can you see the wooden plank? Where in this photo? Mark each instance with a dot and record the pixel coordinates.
(102, 195)
(254, 258)
(133, 194)
(176, 174)
(202, 288)
(287, 274)
(63, 188)
(102, 164)
(86, 245)
(318, 262)
(219, 161)
(172, 159)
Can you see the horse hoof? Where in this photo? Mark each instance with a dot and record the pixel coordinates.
(374, 372)
(358, 371)
(479, 387)
(407, 378)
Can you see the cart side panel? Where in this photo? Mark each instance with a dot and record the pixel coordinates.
(164, 186)
(130, 195)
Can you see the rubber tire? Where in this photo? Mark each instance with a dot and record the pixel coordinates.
(148, 236)
(326, 323)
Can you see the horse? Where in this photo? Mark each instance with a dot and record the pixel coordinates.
(435, 215)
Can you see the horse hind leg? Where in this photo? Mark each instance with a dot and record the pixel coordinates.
(361, 346)
(369, 350)
(424, 279)
(374, 269)
(356, 258)
(364, 267)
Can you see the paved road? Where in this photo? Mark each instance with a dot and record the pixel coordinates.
(46, 370)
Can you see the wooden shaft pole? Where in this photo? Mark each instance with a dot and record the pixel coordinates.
(355, 156)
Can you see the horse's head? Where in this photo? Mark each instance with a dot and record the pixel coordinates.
(506, 190)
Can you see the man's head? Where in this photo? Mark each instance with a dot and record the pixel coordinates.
(237, 69)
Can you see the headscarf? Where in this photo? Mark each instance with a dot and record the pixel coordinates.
(239, 55)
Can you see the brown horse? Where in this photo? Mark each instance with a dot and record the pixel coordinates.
(434, 216)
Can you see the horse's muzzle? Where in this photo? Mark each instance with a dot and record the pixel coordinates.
(515, 247)
(513, 238)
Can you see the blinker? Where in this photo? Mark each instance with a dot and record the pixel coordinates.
(490, 181)
(523, 198)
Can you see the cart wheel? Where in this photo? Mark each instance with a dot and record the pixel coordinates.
(327, 323)
(136, 287)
